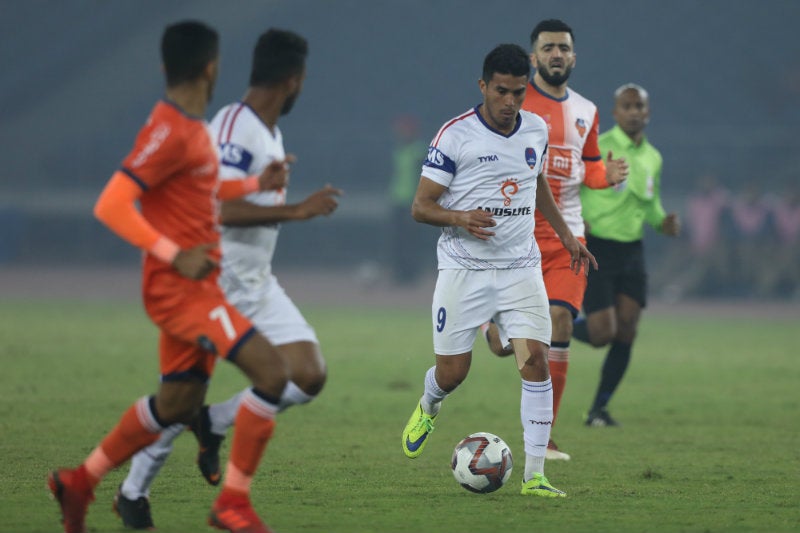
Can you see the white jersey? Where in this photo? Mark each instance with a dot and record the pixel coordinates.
(485, 169)
(247, 146)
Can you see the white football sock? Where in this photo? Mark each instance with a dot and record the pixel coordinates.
(432, 397)
(536, 413)
(293, 395)
(223, 414)
(146, 464)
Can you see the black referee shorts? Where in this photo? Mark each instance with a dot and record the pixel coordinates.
(622, 271)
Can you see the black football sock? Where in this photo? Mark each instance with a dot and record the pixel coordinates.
(617, 359)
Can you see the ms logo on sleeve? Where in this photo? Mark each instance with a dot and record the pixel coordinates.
(437, 159)
(236, 156)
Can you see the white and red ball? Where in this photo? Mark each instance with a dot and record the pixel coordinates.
(482, 462)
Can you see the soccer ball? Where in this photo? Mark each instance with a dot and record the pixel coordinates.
(482, 462)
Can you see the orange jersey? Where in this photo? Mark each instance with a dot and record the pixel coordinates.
(176, 164)
(573, 125)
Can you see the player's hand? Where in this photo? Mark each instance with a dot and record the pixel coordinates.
(276, 175)
(475, 221)
(580, 256)
(322, 202)
(616, 169)
(195, 263)
(671, 225)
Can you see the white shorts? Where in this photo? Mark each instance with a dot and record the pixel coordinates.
(272, 313)
(464, 299)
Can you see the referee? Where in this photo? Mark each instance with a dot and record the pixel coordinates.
(615, 218)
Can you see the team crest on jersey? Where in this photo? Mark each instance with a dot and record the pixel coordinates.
(580, 125)
(530, 157)
(509, 188)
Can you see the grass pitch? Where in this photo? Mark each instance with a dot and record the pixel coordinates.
(710, 439)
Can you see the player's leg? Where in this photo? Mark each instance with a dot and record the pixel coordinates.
(631, 297)
(255, 421)
(454, 329)
(308, 371)
(276, 317)
(524, 315)
(138, 427)
(536, 413)
(132, 500)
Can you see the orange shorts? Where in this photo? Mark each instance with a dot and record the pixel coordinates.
(197, 324)
(563, 286)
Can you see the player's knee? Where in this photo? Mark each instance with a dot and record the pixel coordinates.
(313, 380)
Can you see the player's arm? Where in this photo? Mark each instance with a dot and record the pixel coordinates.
(657, 217)
(244, 213)
(275, 176)
(426, 209)
(116, 208)
(546, 204)
(601, 174)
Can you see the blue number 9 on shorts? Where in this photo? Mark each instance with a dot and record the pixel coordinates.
(441, 319)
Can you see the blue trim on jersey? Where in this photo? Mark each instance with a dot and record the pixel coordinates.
(516, 126)
(180, 109)
(569, 306)
(235, 350)
(596, 158)
(188, 375)
(135, 178)
(255, 114)
(439, 160)
(538, 90)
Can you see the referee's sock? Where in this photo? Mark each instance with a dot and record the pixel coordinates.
(617, 359)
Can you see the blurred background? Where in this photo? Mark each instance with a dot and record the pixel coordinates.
(80, 77)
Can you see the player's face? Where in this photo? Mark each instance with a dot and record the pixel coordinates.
(632, 112)
(502, 100)
(553, 57)
(296, 87)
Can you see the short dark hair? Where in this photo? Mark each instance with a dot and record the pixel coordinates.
(553, 25)
(279, 54)
(186, 50)
(506, 59)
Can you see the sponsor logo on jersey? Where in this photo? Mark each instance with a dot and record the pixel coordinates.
(507, 211)
(488, 158)
(559, 162)
(530, 157)
(236, 156)
(580, 125)
(509, 188)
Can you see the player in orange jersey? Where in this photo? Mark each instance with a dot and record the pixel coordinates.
(573, 158)
(172, 172)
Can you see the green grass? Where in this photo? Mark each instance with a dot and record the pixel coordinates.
(710, 442)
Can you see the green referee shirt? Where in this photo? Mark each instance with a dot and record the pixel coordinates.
(618, 213)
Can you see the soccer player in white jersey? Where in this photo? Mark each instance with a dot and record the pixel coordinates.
(480, 183)
(249, 139)
(573, 161)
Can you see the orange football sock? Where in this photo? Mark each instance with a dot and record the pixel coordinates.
(559, 361)
(136, 429)
(252, 430)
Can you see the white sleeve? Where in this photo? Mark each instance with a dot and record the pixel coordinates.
(238, 153)
(440, 164)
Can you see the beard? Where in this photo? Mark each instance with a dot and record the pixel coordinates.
(555, 79)
(288, 104)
